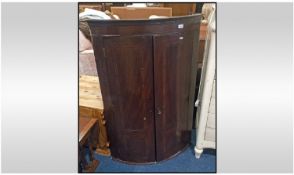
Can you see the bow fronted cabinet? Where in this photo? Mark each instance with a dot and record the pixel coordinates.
(147, 72)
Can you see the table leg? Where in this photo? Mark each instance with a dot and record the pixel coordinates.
(83, 162)
(93, 164)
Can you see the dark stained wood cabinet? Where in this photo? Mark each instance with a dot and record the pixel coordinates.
(129, 72)
(147, 71)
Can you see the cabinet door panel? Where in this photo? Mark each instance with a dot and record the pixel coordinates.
(128, 65)
(172, 69)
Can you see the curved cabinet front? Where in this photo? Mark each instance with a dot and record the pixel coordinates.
(147, 72)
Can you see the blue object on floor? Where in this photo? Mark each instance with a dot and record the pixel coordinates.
(183, 162)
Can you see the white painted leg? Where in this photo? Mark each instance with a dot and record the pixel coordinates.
(198, 152)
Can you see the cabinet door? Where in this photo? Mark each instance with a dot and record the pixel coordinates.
(172, 69)
(127, 65)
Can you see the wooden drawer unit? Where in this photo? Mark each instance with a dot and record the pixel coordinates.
(91, 106)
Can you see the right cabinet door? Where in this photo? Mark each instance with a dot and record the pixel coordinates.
(173, 54)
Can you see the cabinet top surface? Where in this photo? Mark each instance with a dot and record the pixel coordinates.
(156, 20)
(144, 26)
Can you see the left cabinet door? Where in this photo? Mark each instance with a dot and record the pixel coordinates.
(125, 68)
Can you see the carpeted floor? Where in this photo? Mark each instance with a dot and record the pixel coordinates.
(183, 162)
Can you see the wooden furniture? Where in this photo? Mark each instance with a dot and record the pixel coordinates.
(147, 71)
(205, 103)
(91, 106)
(202, 39)
(140, 12)
(181, 9)
(87, 138)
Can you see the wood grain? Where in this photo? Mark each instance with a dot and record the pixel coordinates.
(88, 131)
(147, 71)
(91, 106)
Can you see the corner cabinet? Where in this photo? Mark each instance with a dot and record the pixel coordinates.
(147, 72)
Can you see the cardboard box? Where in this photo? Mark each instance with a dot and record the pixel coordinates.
(141, 12)
(182, 9)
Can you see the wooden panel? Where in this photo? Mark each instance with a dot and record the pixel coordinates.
(130, 83)
(141, 12)
(172, 81)
(85, 124)
(90, 93)
(201, 47)
(181, 9)
(87, 139)
(85, 112)
(91, 106)
(141, 27)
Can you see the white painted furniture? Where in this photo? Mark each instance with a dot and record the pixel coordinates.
(205, 103)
